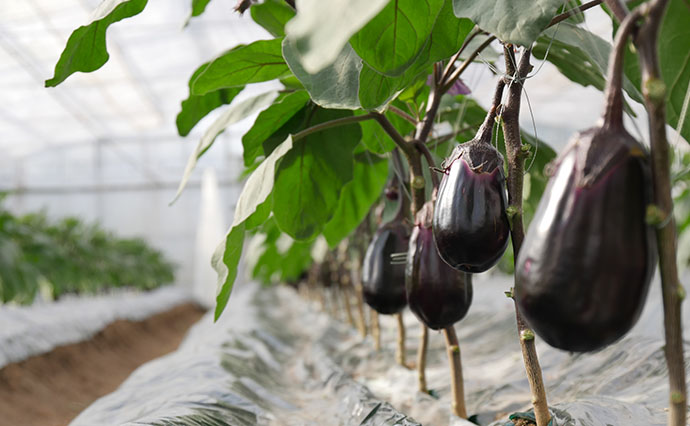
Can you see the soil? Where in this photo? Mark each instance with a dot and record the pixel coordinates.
(53, 388)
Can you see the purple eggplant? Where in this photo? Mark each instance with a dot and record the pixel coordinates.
(437, 294)
(470, 225)
(585, 265)
(383, 282)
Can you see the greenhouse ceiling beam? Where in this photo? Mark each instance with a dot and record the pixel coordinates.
(81, 189)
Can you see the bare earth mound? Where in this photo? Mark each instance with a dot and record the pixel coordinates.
(51, 389)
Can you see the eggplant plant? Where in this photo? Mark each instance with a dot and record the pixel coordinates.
(355, 87)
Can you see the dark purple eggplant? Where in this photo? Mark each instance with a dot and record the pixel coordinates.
(586, 262)
(470, 225)
(437, 294)
(383, 282)
(585, 265)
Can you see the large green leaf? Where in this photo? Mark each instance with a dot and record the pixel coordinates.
(322, 28)
(194, 108)
(311, 176)
(579, 55)
(256, 190)
(86, 50)
(335, 86)
(253, 63)
(357, 196)
(232, 115)
(269, 121)
(391, 41)
(448, 34)
(272, 15)
(512, 21)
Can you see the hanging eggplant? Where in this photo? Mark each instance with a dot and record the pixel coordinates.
(383, 282)
(585, 265)
(437, 294)
(470, 225)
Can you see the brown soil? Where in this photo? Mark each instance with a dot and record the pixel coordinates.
(51, 389)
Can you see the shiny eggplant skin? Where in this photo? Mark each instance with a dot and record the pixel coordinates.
(383, 283)
(585, 265)
(437, 294)
(470, 225)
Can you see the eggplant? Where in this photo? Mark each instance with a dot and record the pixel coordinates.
(470, 224)
(383, 282)
(437, 294)
(584, 268)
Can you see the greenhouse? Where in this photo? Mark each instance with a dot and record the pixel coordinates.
(326, 212)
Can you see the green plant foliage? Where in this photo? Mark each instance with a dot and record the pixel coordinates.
(310, 177)
(335, 86)
(252, 63)
(231, 115)
(272, 15)
(85, 50)
(322, 28)
(250, 204)
(357, 196)
(447, 35)
(512, 21)
(269, 121)
(391, 41)
(70, 256)
(199, 6)
(194, 108)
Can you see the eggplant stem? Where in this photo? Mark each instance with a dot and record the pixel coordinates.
(421, 359)
(672, 290)
(457, 383)
(375, 329)
(516, 168)
(400, 353)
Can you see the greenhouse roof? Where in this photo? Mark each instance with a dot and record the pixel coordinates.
(134, 96)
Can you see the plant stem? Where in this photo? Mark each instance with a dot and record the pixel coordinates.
(330, 124)
(654, 92)
(447, 82)
(375, 329)
(516, 157)
(457, 383)
(400, 353)
(421, 359)
(397, 111)
(357, 285)
(575, 11)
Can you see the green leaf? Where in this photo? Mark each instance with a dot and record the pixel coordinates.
(311, 176)
(194, 108)
(357, 196)
(198, 6)
(86, 50)
(512, 21)
(232, 115)
(225, 261)
(391, 41)
(580, 56)
(448, 34)
(674, 59)
(335, 86)
(253, 63)
(322, 28)
(272, 15)
(255, 192)
(269, 121)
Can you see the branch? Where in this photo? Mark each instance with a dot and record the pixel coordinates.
(330, 124)
(618, 8)
(429, 161)
(449, 66)
(397, 111)
(654, 92)
(572, 12)
(448, 83)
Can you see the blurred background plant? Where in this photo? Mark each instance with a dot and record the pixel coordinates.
(69, 256)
